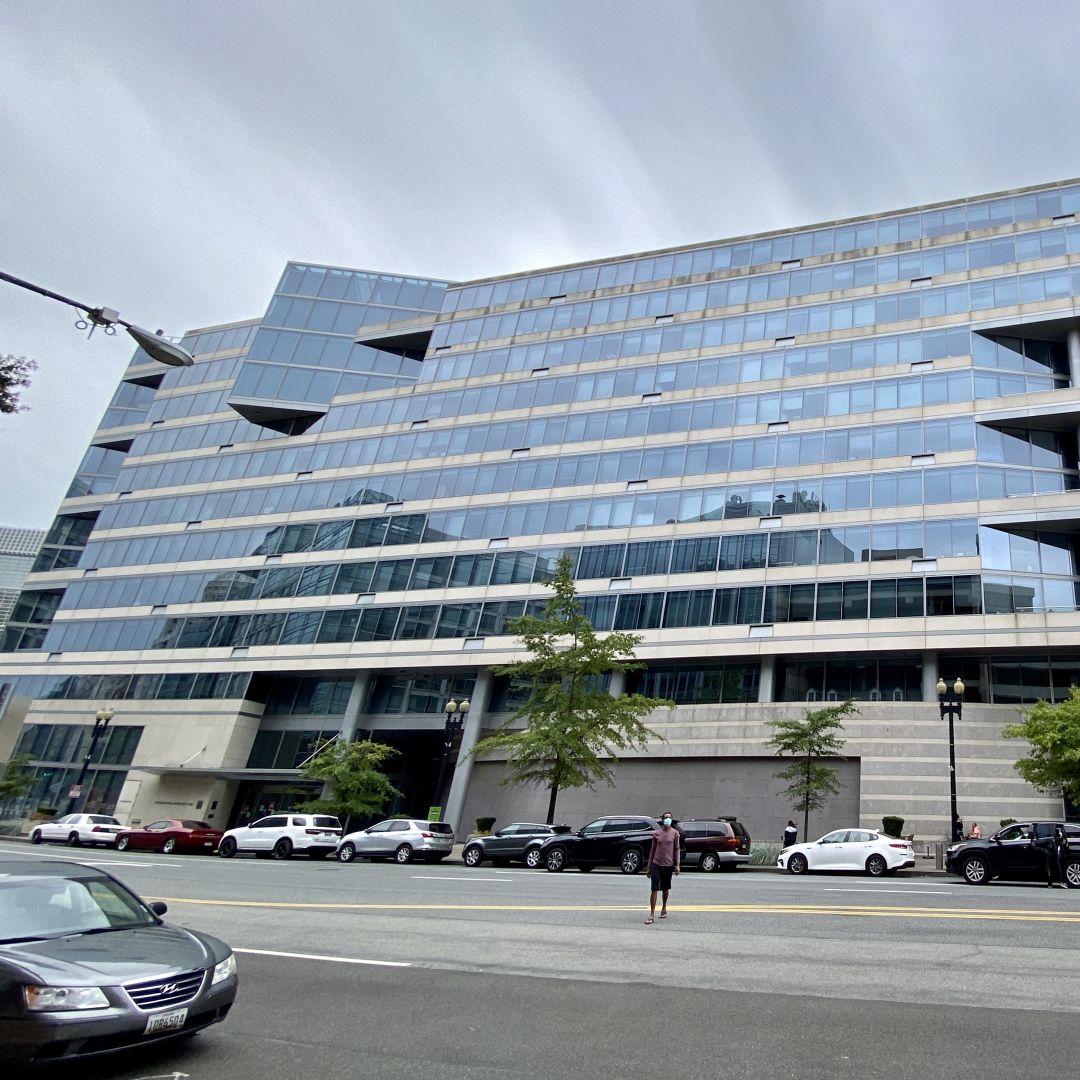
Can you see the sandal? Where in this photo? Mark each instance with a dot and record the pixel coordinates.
(663, 914)
(649, 922)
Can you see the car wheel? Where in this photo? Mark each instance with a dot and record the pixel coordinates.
(73, 840)
(876, 866)
(169, 846)
(347, 852)
(556, 860)
(631, 860)
(403, 854)
(709, 862)
(282, 849)
(227, 848)
(533, 858)
(797, 864)
(123, 843)
(1071, 874)
(976, 870)
(473, 855)
(35, 837)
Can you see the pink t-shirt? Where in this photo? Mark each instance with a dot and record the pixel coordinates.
(665, 847)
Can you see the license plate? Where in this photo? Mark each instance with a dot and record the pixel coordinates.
(170, 1021)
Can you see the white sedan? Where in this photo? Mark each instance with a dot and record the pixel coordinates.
(76, 829)
(849, 849)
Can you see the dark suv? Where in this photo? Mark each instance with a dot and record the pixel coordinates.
(621, 840)
(520, 841)
(715, 843)
(1017, 852)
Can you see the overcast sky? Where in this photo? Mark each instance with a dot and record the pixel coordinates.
(167, 159)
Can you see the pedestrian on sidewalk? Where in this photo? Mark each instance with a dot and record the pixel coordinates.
(663, 862)
(791, 833)
(976, 832)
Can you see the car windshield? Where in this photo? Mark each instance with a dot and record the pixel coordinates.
(55, 907)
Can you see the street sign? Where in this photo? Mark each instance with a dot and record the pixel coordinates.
(434, 813)
(75, 791)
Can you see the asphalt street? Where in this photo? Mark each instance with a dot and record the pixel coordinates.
(401, 971)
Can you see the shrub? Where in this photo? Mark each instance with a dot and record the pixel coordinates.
(484, 824)
(891, 825)
(1007, 821)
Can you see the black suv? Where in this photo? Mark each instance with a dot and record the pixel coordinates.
(519, 841)
(715, 843)
(622, 840)
(1017, 852)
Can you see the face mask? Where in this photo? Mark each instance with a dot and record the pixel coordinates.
(667, 821)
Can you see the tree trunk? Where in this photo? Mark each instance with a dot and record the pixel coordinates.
(551, 802)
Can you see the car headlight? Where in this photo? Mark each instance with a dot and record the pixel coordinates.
(59, 998)
(225, 970)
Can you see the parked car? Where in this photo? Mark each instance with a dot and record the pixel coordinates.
(714, 843)
(69, 990)
(519, 841)
(1017, 852)
(400, 839)
(849, 849)
(170, 835)
(620, 840)
(280, 835)
(76, 829)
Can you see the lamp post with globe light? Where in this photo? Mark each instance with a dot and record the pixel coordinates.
(455, 721)
(101, 724)
(951, 708)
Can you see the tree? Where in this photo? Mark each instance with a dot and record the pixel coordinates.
(14, 376)
(1053, 732)
(15, 780)
(810, 781)
(574, 725)
(353, 772)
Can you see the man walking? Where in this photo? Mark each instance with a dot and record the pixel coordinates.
(791, 833)
(663, 862)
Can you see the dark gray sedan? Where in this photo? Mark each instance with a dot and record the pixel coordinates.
(88, 968)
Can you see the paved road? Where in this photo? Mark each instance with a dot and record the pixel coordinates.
(513, 973)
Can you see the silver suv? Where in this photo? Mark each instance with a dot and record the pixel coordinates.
(280, 835)
(400, 839)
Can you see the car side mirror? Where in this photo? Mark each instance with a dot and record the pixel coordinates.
(159, 908)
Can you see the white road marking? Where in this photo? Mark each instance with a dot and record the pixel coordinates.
(456, 877)
(327, 959)
(902, 892)
(75, 857)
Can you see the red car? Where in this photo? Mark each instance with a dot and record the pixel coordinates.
(169, 835)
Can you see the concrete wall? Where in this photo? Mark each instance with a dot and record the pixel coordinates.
(745, 788)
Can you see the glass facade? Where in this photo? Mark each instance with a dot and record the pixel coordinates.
(799, 465)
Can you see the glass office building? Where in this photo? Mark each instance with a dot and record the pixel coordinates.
(825, 463)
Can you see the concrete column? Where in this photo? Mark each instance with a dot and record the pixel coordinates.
(1073, 342)
(617, 686)
(354, 709)
(459, 786)
(767, 680)
(929, 676)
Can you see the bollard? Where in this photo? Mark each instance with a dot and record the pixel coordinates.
(939, 855)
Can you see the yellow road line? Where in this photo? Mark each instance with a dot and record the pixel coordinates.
(850, 910)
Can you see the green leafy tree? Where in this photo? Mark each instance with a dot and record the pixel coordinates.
(15, 780)
(574, 726)
(14, 376)
(1053, 732)
(353, 775)
(809, 741)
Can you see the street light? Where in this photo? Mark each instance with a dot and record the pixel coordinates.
(155, 345)
(455, 721)
(101, 723)
(950, 709)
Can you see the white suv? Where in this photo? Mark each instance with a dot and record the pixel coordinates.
(280, 835)
(76, 829)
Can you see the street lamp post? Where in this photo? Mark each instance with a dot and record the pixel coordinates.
(101, 723)
(455, 721)
(951, 709)
(155, 345)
